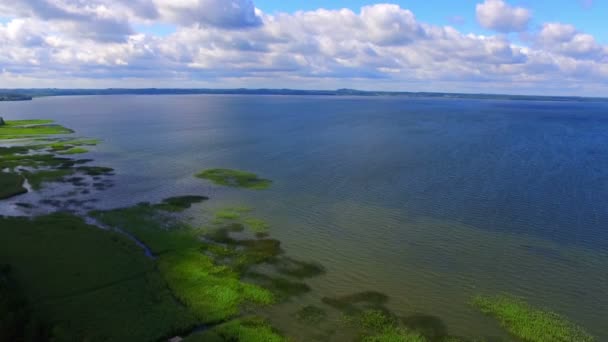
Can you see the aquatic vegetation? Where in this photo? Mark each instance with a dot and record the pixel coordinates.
(213, 293)
(357, 302)
(298, 269)
(96, 170)
(256, 225)
(11, 184)
(528, 323)
(228, 214)
(63, 145)
(379, 326)
(121, 298)
(36, 179)
(74, 150)
(235, 178)
(432, 327)
(281, 287)
(311, 314)
(162, 234)
(30, 128)
(251, 329)
(181, 203)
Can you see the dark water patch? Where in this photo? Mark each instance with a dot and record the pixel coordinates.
(311, 315)
(297, 268)
(357, 302)
(281, 287)
(549, 253)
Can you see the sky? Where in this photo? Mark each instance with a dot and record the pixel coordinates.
(557, 47)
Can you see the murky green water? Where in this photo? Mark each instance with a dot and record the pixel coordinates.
(429, 201)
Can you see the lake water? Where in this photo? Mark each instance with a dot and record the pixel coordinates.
(430, 201)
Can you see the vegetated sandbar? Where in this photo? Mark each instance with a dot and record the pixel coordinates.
(235, 178)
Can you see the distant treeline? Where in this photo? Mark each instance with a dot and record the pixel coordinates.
(14, 97)
(27, 94)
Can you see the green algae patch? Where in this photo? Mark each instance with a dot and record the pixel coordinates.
(312, 315)
(89, 284)
(74, 150)
(528, 323)
(64, 145)
(380, 326)
(251, 329)
(11, 184)
(256, 225)
(235, 178)
(214, 293)
(31, 128)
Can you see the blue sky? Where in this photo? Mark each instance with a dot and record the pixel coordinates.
(589, 16)
(555, 47)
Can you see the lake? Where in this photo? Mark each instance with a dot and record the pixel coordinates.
(430, 201)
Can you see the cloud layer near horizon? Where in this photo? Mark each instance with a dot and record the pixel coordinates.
(220, 43)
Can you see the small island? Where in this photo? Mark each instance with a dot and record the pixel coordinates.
(15, 97)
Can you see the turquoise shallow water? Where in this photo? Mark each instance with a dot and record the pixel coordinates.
(430, 201)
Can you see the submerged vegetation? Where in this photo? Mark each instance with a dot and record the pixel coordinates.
(235, 178)
(528, 323)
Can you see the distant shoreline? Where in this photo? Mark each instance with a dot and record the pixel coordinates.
(29, 94)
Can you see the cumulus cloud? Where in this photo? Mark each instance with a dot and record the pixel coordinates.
(500, 16)
(567, 40)
(231, 43)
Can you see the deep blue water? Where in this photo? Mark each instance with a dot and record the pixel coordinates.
(429, 200)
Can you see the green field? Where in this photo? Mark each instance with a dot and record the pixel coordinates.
(30, 128)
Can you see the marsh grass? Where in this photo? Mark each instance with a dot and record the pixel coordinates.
(31, 128)
(74, 150)
(250, 329)
(380, 326)
(89, 284)
(212, 291)
(235, 178)
(528, 323)
(38, 178)
(11, 184)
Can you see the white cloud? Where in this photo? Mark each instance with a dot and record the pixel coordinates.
(500, 16)
(379, 47)
(567, 40)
